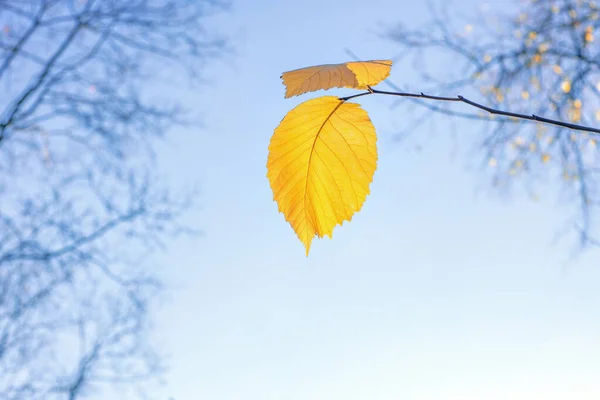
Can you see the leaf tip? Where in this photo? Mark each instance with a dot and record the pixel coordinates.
(307, 245)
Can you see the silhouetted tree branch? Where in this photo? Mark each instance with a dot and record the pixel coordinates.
(493, 111)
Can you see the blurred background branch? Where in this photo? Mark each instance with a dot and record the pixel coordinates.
(81, 203)
(544, 60)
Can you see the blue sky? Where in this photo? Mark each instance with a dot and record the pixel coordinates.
(433, 291)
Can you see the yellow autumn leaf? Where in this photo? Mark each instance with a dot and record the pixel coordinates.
(557, 69)
(357, 75)
(370, 73)
(322, 158)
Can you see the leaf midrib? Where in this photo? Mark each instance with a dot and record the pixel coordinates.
(312, 150)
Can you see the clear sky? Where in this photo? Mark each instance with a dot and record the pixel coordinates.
(433, 291)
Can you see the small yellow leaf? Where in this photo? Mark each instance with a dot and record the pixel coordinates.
(545, 158)
(566, 86)
(319, 77)
(557, 69)
(357, 75)
(322, 158)
(575, 115)
(370, 73)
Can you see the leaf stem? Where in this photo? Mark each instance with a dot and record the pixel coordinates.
(355, 95)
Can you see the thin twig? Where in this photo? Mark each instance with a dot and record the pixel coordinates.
(462, 99)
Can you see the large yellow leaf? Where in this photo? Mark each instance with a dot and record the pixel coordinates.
(322, 158)
(356, 75)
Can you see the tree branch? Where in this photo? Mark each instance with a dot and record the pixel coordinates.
(462, 99)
